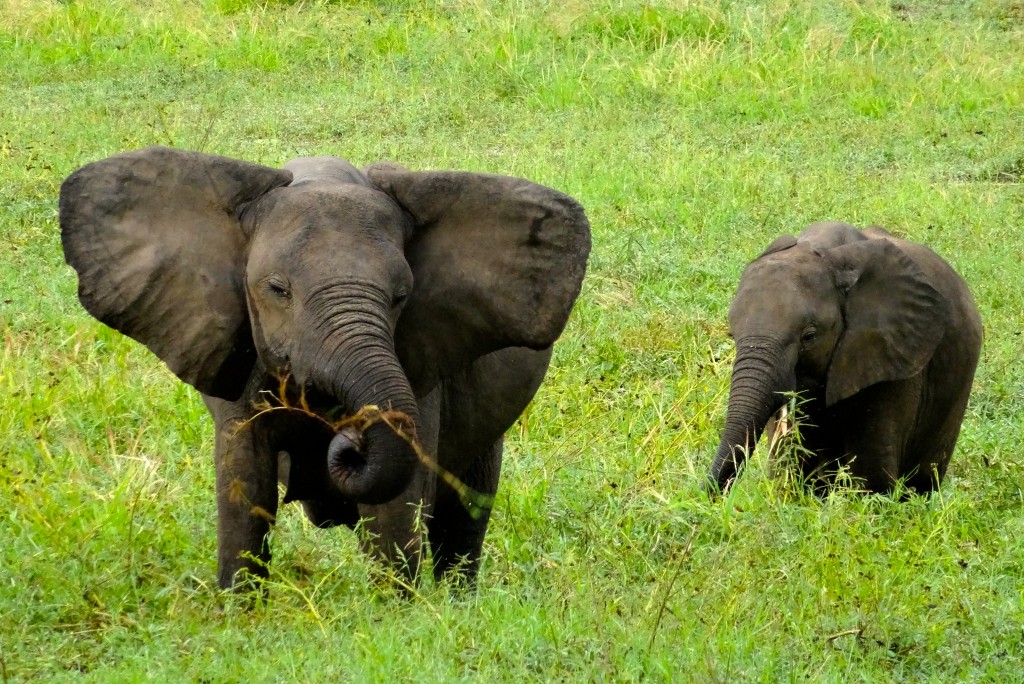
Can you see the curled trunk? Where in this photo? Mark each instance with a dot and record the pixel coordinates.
(760, 374)
(355, 362)
(377, 464)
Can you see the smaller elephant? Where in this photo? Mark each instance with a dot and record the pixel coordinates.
(878, 335)
(433, 295)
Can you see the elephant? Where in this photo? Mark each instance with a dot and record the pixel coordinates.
(880, 339)
(432, 297)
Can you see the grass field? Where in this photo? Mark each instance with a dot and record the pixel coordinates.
(694, 133)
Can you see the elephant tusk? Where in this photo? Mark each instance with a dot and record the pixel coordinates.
(783, 423)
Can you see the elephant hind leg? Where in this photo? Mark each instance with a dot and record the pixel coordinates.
(928, 475)
(456, 533)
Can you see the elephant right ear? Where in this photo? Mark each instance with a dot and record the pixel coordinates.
(156, 239)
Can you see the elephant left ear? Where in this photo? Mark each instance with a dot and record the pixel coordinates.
(895, 318)
(496, 261)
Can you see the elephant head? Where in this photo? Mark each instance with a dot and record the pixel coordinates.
(826, 315)
(366, 287)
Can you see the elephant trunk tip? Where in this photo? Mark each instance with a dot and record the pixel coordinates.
(370, 467)
(720, 479)
(345, 455)
(729, 461)
(714, 488)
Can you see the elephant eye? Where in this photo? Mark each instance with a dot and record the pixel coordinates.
(809, 335)
(399, 298)
(279, 289)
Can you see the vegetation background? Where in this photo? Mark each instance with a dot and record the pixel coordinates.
(694, 132)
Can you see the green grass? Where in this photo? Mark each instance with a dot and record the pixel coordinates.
(694, 133)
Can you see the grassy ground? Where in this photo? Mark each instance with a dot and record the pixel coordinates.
(694, 133)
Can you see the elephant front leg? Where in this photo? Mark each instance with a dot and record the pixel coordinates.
(393, 532)
(246, 495)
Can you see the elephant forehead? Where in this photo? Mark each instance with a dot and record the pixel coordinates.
(327, 169)
(333, 208)
(799, 267)
(779, 288)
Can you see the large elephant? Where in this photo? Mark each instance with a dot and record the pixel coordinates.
(878, 335)
(433, 295)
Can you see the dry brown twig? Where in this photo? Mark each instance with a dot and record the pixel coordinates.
(399, 422)
(856, 631)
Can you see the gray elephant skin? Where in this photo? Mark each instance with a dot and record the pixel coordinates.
(437, 295)
(878, 335)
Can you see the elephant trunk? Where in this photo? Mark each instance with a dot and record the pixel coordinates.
(355, 362)
(760, 374)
